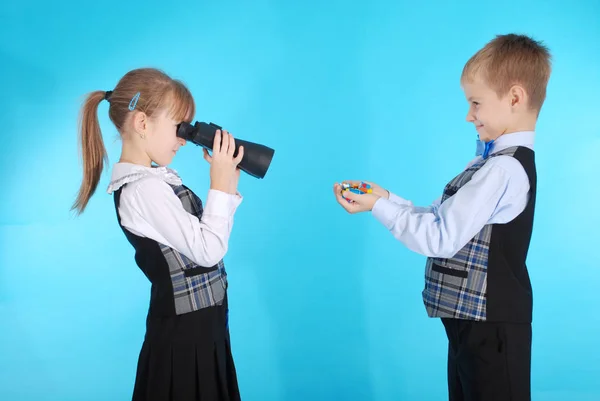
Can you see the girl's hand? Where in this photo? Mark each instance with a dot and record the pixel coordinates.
(224, 174)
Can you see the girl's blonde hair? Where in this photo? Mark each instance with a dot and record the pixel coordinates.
(147, 90)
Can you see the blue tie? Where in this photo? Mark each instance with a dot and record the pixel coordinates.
(483, 148)
(488, 147)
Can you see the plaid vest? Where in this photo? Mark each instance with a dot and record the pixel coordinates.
(178, 284)
(487, 279)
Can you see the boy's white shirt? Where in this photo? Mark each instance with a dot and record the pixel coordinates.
(150, 208)
(496, 194)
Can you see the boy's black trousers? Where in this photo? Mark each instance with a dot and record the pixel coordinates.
(488, 361)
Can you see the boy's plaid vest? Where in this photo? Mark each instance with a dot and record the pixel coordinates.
(178, 284)
(487, 279)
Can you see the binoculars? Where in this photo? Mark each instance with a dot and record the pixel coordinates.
(256, 160)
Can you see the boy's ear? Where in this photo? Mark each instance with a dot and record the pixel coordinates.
(517, 96)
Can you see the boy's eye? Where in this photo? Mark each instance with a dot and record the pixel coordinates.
(476, 103)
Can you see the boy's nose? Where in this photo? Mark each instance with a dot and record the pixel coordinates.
(182, 141)
(470, 117)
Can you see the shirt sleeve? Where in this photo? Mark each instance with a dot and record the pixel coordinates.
(424, 209)
(156, 212)
(497, 193)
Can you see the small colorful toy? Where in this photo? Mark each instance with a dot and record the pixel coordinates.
(362, 188)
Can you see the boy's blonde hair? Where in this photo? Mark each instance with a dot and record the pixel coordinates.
(509, 60)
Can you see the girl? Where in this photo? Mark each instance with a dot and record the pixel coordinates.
(179, 242)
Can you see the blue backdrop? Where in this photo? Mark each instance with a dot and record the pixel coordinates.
(325, 305)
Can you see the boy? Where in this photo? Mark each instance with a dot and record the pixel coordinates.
(476, 235)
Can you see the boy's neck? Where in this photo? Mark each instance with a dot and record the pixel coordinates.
(527, 124)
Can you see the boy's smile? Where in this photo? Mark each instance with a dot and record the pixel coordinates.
(489, 113)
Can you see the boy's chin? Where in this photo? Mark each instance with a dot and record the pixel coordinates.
(484, 136)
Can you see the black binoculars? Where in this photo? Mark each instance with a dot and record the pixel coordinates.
(256, 160)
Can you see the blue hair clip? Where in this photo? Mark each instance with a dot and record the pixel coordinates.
(134, 101)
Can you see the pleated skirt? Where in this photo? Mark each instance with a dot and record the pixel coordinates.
(187, 358)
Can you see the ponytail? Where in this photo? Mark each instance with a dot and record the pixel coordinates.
(92, 149)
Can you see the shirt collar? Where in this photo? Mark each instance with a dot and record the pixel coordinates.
(521, 138)
(124, 173)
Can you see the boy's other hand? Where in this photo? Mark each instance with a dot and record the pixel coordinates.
(377, 190)
(358, 202)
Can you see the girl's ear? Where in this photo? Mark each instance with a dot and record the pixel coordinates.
(140, 123)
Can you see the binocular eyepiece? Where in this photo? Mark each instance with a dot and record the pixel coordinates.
(257, 158)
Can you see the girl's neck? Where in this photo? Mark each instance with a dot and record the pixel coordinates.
(134, 156)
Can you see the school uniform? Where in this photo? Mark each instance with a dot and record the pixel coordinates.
(179, 245)
(476, 236)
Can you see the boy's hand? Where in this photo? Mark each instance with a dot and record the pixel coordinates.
(377, 190)
(358, 203)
